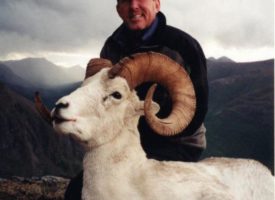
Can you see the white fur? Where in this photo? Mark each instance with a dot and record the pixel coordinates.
(116, 167)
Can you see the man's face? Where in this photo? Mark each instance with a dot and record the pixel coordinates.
(138, 14)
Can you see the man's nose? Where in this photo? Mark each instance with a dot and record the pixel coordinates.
(134, 3)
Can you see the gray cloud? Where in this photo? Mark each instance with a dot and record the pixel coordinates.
(32, 26)
(53, 25)
(234, 23)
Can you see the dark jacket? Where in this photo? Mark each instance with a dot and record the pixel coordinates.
(185, 50)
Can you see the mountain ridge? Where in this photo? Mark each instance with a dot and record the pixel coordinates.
(240, 115)
(40, 67)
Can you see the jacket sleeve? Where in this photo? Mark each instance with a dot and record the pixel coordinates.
(104, 50)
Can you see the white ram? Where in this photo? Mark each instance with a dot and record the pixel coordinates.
(103, 115)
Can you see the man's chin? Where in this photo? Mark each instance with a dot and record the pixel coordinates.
(136, 26)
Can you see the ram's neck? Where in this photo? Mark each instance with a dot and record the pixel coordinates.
(115, 160)
(123, 150)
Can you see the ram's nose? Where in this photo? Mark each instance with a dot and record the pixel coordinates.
(56, 114)
(61, 105)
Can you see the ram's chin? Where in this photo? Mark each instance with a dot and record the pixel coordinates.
(63, 128)
(72, 129)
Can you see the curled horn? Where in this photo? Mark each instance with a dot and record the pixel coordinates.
(155, 67)
(95, 65)
(42, 109)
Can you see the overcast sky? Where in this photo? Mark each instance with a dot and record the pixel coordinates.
(70, 32)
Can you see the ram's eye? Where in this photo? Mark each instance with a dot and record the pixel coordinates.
(116, 95)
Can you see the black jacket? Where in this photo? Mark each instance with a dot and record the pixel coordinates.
(182, 48)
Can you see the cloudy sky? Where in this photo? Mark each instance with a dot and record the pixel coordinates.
(70, 32)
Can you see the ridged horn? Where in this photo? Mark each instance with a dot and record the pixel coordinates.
(155, 67)
(95, 65)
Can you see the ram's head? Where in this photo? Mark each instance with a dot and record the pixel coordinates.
(107, 100)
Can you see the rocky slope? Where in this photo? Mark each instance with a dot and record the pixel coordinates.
(240, 119)
(28, 145)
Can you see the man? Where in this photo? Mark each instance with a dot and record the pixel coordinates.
(144, 29)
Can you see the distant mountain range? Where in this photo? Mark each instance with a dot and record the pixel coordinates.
(220, 59)
(37, 74)
(239, 122)
(40, 73)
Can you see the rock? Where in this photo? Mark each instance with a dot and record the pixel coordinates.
(35, 188)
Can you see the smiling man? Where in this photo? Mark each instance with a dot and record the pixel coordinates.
(138, 15)
(144, 29)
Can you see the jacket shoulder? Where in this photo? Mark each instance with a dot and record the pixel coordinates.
(180, 39)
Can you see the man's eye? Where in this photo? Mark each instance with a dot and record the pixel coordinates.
(116, 95)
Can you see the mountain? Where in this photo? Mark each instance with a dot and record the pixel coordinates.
(240, 119)
(24, 137)
(221, 59)
(8, 77)
(42, 73)
(27, 86)
(28, 145)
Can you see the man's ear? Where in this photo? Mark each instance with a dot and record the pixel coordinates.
(157, 5)
(140, 108)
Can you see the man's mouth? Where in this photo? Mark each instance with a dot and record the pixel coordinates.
(136, 17)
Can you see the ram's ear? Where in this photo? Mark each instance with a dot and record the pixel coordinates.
(140, 108)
